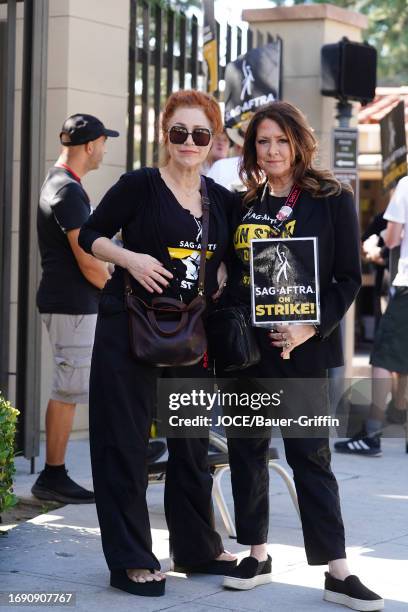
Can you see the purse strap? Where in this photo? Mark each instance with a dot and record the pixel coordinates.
(205, 203)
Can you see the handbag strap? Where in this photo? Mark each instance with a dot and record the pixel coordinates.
(205, 203)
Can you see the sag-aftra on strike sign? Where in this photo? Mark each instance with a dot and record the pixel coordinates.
(284, 281)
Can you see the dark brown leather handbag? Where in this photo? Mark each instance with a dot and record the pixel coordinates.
(168, 332)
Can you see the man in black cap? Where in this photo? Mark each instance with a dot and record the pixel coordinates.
(68, 294)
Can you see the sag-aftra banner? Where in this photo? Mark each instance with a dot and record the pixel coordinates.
(252, 81)
(284, 281)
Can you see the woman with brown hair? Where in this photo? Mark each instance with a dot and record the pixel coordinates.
(160, 213)
(289, 197)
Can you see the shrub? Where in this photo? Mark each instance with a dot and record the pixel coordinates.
(8, 418)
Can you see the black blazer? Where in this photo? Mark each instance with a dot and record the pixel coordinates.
(333, 220)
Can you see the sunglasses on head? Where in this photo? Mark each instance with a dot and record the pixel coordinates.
(179, 134)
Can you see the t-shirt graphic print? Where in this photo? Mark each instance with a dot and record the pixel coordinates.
(185, 258)
(257, 224)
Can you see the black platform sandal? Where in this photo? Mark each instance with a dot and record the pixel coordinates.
(215, 567)
(120, 580)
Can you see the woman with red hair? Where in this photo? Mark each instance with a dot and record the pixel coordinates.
(160, 213)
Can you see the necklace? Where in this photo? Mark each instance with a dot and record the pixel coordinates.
(186, 192)
(280, 194)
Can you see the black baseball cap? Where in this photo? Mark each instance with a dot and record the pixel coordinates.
(80, 129)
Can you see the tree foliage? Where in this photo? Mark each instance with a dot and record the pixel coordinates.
(387, 31)
(183, 5)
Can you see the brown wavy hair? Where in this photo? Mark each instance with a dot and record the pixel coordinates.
(303, 145)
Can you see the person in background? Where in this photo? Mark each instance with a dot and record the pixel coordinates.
(68, 295)
(225, 171)
(376, 253)
(390, 350)
(219, 150)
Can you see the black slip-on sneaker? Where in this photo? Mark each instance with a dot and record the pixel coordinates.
(249, 574)
(351, 593)
(360, 444)
(61, 489)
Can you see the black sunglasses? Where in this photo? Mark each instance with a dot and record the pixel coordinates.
(179, 134)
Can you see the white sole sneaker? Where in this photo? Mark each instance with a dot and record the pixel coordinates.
(363, 605)
(244, 584)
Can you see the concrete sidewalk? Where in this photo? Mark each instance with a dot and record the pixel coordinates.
(61, 550)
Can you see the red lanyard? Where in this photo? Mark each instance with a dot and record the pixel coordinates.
(68, 169)
(285, 211)
(293, 196)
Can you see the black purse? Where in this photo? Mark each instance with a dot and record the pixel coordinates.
(231, 338)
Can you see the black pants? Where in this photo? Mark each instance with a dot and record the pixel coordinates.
(122, 397)
(315, 483)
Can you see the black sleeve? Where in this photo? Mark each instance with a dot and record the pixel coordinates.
(377, 225)
(232, 204)
(115, 210)
(347, 267)
(70, 207)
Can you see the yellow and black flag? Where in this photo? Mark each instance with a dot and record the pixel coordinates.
(393, 146)
(210, 45)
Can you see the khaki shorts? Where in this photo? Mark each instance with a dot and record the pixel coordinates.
(390, 349)
(71, 338)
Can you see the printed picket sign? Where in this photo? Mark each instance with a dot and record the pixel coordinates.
(284, 281)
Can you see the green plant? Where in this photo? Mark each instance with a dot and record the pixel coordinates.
(8, 418)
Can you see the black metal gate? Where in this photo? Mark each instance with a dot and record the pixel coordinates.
(7, 100)
(165, 54)
(32, 157)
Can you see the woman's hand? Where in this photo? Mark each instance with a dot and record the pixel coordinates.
(222, 277)
(289, 337)
(148, 271)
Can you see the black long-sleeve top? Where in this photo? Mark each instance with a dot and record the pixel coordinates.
(153, 222)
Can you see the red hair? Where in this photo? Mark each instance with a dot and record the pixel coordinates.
(196, 99)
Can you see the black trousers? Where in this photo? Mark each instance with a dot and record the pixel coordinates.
(122, 397)
(315, 483)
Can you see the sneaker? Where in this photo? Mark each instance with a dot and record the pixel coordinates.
(249, 574)
(61, 489)
(361, 444)
(395, 415)
(351, 593)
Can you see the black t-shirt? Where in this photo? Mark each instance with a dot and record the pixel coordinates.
(155, 223)
(251, 223)
(182, 233)
(64, 206)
